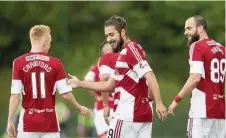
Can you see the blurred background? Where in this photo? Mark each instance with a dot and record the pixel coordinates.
(77, 31)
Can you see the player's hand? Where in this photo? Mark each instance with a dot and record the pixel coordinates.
(11, 130)
(73, 81)
(161, 111)
(106, 114)
(85, 112)
(172, 108)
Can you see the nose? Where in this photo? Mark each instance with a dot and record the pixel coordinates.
(108, 39)
(185, 32)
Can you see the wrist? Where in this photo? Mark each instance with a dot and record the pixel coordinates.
(79, 84)
(105, 106)
(177, 99)
(10, 121)
(158, 102)
(79, 108)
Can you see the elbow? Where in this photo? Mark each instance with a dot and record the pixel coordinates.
(65, 96)
(196, 78)
(15, 96)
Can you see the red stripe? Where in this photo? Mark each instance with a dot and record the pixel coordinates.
(116, 129)
(120, 128)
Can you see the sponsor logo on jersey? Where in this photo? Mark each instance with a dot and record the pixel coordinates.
(37, 57)
(217, 49)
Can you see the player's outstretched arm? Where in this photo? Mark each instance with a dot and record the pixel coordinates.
(153, 85)
(191, 83)
(69, 97)
(103, 86)
(13, 105)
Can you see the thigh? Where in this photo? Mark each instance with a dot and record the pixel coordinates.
(221, 128)
(51, 135)
(145, 131)
(203, 128)
(28, 135)
(194, 128)
(123, 129)
(100, 125)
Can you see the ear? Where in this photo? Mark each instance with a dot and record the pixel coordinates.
(123, 32)
(200, 28)
(45, 43)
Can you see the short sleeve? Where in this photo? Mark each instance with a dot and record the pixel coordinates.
(16, 84)
(90, 76)
(104, 66)
(137, 60)
(61, 80)
(196, 59)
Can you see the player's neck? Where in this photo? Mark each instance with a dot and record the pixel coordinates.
(203, 36)
(126, 40)
(35, 49)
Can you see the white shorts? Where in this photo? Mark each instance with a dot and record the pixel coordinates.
(38, 134)
(125, 129)
(206, 128)
(100, 125)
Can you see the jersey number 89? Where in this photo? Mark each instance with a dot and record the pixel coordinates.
(218, 70)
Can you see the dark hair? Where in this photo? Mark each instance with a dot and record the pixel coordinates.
(101, 47)
(199, 20)
(116, 21)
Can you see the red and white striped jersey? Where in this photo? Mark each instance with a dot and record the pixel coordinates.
(207, 57)
(37, 76)
(93, 75)
(130, 84)
(106, 65)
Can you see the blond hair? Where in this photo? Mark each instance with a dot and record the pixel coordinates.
(37, 31)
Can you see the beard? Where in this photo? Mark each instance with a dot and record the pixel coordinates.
(119, 45)
(193, 39)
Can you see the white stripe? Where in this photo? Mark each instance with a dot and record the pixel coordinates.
(118, 77)
(116, 129)
(62, 86)
(135, 52)
(191, 50)
(34, 87)
(133, 75)
(90, 76)
(17, 87)
(104, 69)
(116, 101)
(117, 89)
(43, 90)
(121, 64)
(197, 67)
(120, 128)
(123, 52)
